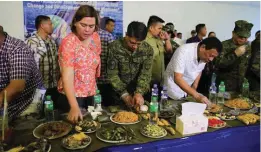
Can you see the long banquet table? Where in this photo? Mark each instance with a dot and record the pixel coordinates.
(236, 137)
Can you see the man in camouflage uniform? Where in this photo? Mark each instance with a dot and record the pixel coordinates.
(129, 65)
(169, 28)
(253, 73)
(233, 61)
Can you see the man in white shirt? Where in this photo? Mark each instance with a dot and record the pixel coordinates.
(177, 39)
(184, 70)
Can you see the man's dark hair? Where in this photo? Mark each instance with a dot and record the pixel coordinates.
(153, 20)
(258, 32)
(193, 32)
(210, 33)
(199, 27)
(212, 43)
(169, 23)
(179, 33)
(39, 19)
(137, 30)
(1, 30)
(107, 21)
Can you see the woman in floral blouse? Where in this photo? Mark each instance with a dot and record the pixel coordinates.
(79, 59)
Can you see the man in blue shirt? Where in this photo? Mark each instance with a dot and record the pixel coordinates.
(201, 32)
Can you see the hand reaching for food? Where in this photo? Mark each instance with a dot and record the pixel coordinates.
(75, 115)
(138, 99)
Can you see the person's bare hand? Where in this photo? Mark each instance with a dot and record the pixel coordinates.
(75, 115)
(164, 36)
(240, 50)
(138, 99)
(203, 99)
(128, 100)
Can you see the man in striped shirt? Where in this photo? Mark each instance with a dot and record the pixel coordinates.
(103, 81)
(19, 75)
(45, 54)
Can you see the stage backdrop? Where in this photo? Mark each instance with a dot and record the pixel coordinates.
(62, 12)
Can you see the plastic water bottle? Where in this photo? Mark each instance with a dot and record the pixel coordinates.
(48, 109)
(245, 88)
(1, 120)
(97, 101)
(155, 91)
(213, 78)
(164, 99)
(221, 91)
(213, 93)
(154, 110)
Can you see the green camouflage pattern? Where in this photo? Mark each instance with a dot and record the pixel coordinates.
(253, 75)
(174, 45)
(255, 67)
(125, 67)
(168, 28)
(230, 68)
(243, 28)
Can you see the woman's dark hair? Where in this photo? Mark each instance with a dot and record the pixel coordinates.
(85, 11)
(212, 43)
(211, 33)
(137, 30)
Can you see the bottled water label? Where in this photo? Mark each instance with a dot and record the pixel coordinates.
(48, 105)
(154, 108)
(97, 99)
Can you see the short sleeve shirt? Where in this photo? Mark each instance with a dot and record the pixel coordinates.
(84, 60)
(184, 61)
(17, 62)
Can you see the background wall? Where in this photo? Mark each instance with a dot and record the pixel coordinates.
(12, 18)
(218, 16)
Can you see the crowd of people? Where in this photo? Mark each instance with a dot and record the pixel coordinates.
(124, 69)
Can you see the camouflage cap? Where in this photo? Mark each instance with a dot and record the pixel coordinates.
(168, 28)
(243, 28)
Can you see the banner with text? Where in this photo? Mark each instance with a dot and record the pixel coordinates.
(62, 12)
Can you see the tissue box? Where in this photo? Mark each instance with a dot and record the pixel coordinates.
(192, 120)
(187, 125)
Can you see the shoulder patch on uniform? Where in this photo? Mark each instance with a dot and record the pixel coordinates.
(112, 64)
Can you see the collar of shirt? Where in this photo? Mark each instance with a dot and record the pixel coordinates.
(48, 39)
(150, 36)
(5, 40)
(196, 38)
(124, 47)
(196, 57)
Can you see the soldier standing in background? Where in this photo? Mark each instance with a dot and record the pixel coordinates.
(169, 28)
(253, 73)
(233, 61)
